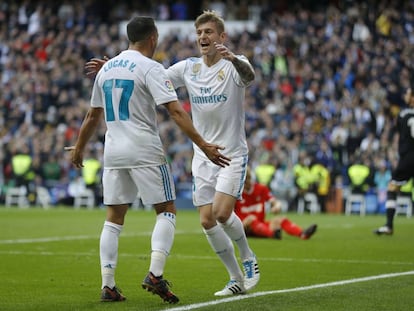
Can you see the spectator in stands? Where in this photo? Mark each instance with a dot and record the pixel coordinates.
(369, 144)
(51, 171)
(264, 172)
(382, 177)
(360, 176)
(22, 167)
(322, 177)
(179, 10)
(91, 174)
(324, 156)
(304, 179)
(283, 182)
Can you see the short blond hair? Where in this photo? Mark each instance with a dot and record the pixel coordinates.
(210, 16)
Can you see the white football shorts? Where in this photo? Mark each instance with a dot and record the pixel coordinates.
(153, 184)
(209, 178)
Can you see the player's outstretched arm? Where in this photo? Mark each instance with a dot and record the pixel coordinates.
(88, 128)
(244, 69)
(183, 120)
(94, 65)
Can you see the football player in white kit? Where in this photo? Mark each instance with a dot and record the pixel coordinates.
(126, 92)
(216, 84)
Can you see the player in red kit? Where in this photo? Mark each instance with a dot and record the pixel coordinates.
(252, 211)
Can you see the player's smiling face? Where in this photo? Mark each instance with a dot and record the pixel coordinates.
(207, 34)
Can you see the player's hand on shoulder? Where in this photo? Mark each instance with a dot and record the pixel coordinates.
(94, 65)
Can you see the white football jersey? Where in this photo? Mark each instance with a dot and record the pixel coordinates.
(129, 87)
(216, 94)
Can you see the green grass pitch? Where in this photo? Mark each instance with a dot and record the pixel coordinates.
(50, 261)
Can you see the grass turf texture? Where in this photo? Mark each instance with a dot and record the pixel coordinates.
(50, 261)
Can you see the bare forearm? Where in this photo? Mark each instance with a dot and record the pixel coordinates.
(90, 123)
(184, 122)
(244, 69)
(88, 128)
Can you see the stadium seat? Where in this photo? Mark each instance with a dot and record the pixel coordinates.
(43, 198)
(16, 196)
(309, 200)
(404, 205)
(86, 197)
(355, 199)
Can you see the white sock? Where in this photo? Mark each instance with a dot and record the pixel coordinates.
(234, 229)
(108, 250)
(161, 242)
(158, 260)
(223, 247)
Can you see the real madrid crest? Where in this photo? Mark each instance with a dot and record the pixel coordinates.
(196, 68)
(221, 76)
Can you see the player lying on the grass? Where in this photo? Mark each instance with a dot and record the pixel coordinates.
(252, 211)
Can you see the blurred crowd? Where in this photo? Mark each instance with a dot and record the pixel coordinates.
(329, 82)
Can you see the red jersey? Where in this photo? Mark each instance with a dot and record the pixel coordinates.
(254, 202)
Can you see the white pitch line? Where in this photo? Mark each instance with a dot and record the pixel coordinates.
(48, 239)
(192, 257)
(290, 290)
(75, 237)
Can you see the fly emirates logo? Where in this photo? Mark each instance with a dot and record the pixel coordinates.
(207, 98)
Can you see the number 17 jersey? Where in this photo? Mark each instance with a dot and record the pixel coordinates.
(129, 87)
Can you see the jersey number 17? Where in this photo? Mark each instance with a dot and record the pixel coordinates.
(127, 87)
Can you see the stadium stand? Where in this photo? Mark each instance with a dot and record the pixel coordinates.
(326, 71)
